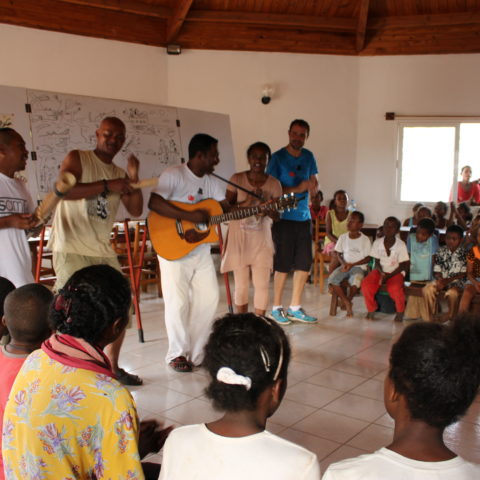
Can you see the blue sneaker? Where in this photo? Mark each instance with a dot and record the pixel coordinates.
(279, 316)
(300, 316)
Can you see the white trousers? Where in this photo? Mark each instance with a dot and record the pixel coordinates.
(190, 292)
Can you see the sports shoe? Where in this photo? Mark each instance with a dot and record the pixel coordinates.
(279, 316)
(300, 316)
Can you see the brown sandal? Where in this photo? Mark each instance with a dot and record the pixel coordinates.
(181, 364)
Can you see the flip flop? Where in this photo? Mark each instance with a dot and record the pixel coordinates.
(181, 364)
(126, 378)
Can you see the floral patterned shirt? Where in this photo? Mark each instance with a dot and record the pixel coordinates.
(449, 264)
(68, 423)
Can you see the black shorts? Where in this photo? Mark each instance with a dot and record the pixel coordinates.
(293, 246)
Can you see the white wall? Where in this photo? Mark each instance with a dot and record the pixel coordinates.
(322, 89)
(343, 98)
(85, 66)
(407, 85)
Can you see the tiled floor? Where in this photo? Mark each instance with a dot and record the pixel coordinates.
(334, 402)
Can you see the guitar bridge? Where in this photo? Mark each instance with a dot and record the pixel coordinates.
(180, 231)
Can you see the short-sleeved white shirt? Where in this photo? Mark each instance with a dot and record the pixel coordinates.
(354, 249)
(386, 464)
(15, 257)
(398, 254)
(194, 452)
(180, 184)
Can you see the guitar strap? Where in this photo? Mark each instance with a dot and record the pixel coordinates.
(253, 194)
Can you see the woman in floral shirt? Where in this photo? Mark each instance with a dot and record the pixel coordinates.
(67, 416)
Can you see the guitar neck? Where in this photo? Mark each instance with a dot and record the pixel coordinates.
(235, 215)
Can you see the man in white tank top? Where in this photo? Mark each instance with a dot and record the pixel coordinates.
(82, 223)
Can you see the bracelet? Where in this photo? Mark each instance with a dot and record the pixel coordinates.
(105, 187)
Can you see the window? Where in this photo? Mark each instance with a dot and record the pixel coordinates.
(431, 154)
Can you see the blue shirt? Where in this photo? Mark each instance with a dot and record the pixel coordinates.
(421, 257)
(290, 171)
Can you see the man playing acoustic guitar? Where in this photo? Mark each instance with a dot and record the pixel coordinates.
(189, 284)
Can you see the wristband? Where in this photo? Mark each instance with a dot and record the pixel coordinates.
(105, 187)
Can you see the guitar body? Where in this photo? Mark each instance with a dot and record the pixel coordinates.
(173, 239)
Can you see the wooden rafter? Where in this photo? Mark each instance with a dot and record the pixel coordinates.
(412, 21)
(177, 19)
(362, 25)
(277, 20)
(126, 6)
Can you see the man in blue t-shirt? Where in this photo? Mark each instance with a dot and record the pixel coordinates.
(296, 169)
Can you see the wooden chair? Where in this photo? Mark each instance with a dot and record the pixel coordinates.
(319, 258)
(43, 264)
(150, 268)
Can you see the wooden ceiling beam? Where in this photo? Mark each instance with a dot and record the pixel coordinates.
(87, 21)
(217, 36)
(277, 20)
(125, 6)
(412, 21)
(362, 25)
(424, 41)
(177, 19)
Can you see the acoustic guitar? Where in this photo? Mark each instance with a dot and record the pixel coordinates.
(174, 238)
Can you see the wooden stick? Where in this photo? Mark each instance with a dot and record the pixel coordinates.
(149, 182)
(65, 182)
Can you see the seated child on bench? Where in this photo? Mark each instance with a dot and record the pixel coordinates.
(422, 246)
(450, 273)
(391, 263)
(353, 253)
(472, 286)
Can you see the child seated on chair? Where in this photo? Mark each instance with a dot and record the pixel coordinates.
(472, 286)
(317, 210)
(450, 273)
(412, 221)
(422, 246)
(439, 215)
(353, 253)
(433, 379)
(335, 225)
(391, 262)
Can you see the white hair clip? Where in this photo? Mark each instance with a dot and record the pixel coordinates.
(227, 375)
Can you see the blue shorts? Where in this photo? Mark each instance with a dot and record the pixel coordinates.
(354, 275)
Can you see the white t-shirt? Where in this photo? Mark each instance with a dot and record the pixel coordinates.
(354, 249)
(386, 464)
(195, 453)
(398, 254)
(15, 257)
(180, 184)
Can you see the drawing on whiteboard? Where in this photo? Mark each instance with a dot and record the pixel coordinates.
(6, 120)
(62, 122)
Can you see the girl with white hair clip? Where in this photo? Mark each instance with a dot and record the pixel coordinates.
(247, 358)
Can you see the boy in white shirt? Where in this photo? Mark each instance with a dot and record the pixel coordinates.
(353, 253)
(391, 263)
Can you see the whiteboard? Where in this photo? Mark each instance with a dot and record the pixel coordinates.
(62, 122)
(215, 124)
(58, 123)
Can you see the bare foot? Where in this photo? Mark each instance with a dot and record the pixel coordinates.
(370, 316)
(349, 307)
(399, 317)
